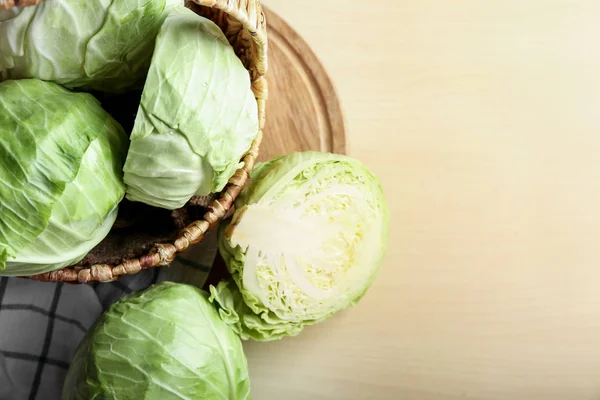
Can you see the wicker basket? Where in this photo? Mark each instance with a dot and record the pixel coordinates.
(244, 25)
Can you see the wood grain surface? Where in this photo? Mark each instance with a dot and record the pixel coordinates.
(482, 120)
(303, 111)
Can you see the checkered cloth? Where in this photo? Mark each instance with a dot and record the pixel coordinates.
(41, 324)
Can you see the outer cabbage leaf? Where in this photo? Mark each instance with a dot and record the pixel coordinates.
(307, 239)
(165, 343)
(60, 175)
(197, 117)
(94, 44)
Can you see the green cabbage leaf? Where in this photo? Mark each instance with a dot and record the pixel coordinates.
(197, 117)
(165, 343)
(61, 182)
(103, 45)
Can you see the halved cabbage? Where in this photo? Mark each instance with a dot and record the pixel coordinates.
(61, 182)
(197, 118)
(306, 241)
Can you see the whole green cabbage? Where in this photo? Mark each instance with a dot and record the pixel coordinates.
(61, 156)
(197, 117)
(94, 44)
(166, 342)
(307, 238)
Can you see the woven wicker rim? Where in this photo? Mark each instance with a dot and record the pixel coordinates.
(244, 25)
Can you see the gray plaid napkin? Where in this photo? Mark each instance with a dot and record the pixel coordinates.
(40, 327)
(41, 324)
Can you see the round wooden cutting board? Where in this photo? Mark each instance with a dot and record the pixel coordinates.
(303, 110)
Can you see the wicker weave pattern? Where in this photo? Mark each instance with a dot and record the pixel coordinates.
(243, 22)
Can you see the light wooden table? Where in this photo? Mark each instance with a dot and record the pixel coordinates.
(482, 119)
